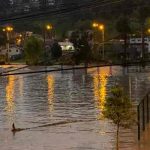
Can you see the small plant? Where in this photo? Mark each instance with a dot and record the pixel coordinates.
(119, 109)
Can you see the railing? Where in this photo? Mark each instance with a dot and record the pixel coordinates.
(143, 113)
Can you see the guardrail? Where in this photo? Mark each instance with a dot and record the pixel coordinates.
(143, 114)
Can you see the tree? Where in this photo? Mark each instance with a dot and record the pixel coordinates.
(123, 27)
(3, 40)
(142, 15)
(33, 49)
(56, 50)
(81, 44)
(119, 109)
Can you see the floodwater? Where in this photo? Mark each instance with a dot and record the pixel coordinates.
(62, 110)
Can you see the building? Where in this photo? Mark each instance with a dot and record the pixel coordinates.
(18, 7)
(136, 43)
(14, 52)
(5, 6)
(67, 46)
(46, 3)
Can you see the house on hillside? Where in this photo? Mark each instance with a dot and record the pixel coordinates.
(13, 53)
(67, 46)
(135, 44)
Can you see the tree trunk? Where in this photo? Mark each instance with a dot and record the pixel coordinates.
(117, 142)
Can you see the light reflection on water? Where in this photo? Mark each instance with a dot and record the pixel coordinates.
(50, 82)
(100, 89)
(35, 100)
(10, 104)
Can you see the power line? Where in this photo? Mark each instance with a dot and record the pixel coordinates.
(63, 10)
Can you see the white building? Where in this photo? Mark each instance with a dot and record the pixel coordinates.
(137, 43)
(13, 51)
(67, 46)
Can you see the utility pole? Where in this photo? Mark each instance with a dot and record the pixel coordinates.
(103, 38)
(8, 29)
(143, 42)
(8, 46)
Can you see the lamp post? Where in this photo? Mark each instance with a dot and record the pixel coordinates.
(8, 29)
(48, 27)
(102, 29)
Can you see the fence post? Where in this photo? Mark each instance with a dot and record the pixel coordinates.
(143, 115)
(147, 108)
(139, 127)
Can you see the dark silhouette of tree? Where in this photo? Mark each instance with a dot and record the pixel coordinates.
(56, 50)
(142, 15)
(3, 39)
(82, 47)
(123, 27)
(33, 49)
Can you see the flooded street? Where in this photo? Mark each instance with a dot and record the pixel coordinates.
(63, 109)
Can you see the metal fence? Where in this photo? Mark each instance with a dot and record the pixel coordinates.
(143, 113)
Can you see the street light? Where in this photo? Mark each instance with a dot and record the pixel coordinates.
(47, 27)
(101, 27)
(95, 25)
(8, 29)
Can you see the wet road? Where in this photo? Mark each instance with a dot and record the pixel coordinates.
(63, 109)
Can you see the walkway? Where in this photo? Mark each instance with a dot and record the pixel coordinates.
(129, 141)
(144, 144)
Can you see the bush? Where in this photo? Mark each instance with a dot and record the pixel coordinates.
(33, 49)
(56, 51)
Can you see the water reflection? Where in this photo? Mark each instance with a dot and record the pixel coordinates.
(10, 98)
(21, 87)
(51, 98)
(100, 92)
(50, 82)
(10, 94)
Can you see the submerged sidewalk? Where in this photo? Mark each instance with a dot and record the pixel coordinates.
(129, 140)
(144, 144)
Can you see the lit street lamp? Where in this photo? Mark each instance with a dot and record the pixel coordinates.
(101, 27)
(48, 27)
(8, 29)
(95, 25)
